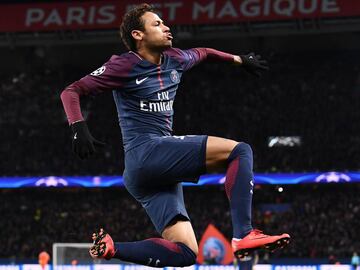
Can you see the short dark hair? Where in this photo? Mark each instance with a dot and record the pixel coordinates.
(132, 21)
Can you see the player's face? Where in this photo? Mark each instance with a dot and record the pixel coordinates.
(157, 35)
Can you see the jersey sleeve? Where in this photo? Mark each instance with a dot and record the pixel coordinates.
(112, 75)
(191, 57)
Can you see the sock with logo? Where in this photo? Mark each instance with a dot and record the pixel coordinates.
(239, 188)
(155, 252)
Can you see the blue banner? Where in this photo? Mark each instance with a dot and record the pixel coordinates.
(210, 179)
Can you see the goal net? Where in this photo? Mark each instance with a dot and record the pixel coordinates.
(75, 256)
(67, 255)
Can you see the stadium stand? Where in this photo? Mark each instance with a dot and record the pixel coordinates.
(59, 215)
(315, 101)
(312, 91)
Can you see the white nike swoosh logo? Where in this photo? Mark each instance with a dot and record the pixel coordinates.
(140, 81)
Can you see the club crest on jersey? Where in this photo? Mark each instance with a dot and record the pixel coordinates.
(99, 71)
(174, 76)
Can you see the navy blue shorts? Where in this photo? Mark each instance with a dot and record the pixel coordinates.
(154, 171)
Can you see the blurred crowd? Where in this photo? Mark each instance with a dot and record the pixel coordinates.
(322, 219)
(314, 95)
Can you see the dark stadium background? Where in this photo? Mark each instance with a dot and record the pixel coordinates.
(312, 91)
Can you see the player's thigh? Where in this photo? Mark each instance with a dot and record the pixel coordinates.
(175, 159)
(163, 204)
(183, 232)
(217, 152)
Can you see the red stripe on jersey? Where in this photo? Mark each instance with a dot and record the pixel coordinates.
(159, 78)
(167, 244)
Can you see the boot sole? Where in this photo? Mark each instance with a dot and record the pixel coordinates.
(272, 247)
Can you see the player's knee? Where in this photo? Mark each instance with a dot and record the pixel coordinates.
(195, 249)
(242, 150)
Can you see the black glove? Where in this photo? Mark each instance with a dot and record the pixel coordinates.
(254, 64)
(83, 143)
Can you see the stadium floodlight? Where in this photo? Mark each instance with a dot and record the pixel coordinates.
(281, 141)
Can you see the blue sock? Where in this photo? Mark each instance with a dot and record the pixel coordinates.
(155, 252)
(239, 188)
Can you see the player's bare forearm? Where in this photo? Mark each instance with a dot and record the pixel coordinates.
(237, 60)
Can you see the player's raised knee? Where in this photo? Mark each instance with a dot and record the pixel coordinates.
(189, 254)
(242, 150)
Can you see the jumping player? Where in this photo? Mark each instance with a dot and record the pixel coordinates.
(144, 83)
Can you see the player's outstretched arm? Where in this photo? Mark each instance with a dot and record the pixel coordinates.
(252, 63)
(83, 143)
(106, 78)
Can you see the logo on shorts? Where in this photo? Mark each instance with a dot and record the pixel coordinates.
(99, 71)
(174, 76)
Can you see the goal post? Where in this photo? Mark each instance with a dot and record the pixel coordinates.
(65, 254)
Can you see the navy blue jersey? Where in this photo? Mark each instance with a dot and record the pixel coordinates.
(144, 92)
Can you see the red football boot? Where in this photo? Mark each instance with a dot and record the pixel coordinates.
(103, 246)
(256, 240)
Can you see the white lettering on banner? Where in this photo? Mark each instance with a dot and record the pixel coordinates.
(255, 8)
(227, 10)
(172, 9)
(34, 15)
(267, 8)
(176, 10)
(250, 8)
(75, 14)
(91, 15)
(309, 8)
(108, 13)
(329, 6)
(197, 8)
(284, 7)
(53, 18)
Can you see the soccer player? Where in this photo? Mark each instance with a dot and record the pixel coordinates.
(144, 83)
(44, 259)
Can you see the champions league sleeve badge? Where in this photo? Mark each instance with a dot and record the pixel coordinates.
(174, 76)
(99, 71)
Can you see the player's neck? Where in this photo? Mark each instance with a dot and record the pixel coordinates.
(151, 56)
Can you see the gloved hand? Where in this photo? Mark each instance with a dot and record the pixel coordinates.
(83, 143)
(254, 64)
